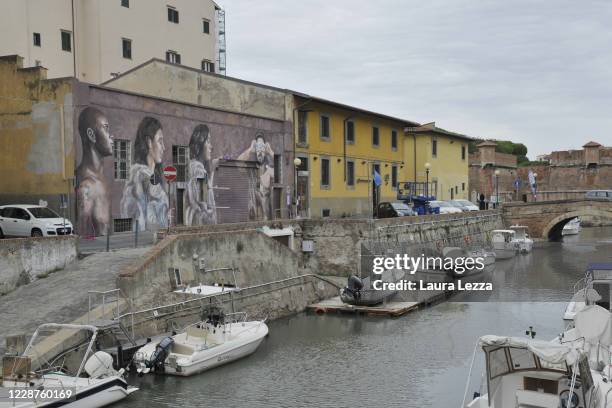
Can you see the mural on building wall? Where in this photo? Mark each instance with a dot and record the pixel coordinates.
(91, 186)
(140, 194)
(200, 208)
(260, 190)
(144, 198)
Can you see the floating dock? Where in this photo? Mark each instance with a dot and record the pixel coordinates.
(335, 305)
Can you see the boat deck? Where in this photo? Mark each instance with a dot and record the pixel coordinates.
(390, 309)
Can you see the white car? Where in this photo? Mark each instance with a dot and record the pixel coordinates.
(445, 208)
(464, 205)
(32, 221)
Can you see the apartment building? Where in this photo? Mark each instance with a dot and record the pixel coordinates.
(96, 40)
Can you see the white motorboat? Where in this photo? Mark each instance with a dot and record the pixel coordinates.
(504, 243)
(594, 289)
(217, 339)
(573, 227)
(487, 256)
(61, 361)
(528, 373)
(457, 253)
(521, 238)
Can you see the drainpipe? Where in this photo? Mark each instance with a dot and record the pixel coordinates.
(74, 41)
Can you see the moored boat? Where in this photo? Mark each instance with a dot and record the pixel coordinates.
(61, 361)
(217, 339)
(504, 244)
(521, 238)
(573, 227)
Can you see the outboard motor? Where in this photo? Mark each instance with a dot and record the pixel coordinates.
(352, 291)
(158, 357)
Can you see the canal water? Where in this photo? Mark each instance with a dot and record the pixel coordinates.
(419, 360)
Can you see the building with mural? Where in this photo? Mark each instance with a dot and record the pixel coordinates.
(94, 40)
(440, 156)
(103, 150)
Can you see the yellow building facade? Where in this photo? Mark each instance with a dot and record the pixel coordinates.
(339, 148)
(447, 155)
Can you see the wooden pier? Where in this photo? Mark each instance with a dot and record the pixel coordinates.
(391, 309)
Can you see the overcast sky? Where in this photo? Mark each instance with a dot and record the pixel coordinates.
(536, 72)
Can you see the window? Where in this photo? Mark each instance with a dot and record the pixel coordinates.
(179, 160)
(122, 224)
(394, 139)
(394, 176)
(350, 132)
(175, 277)
(462, 152)
(125, 3)
(206, 26)
(37, 39)
(350, 173)
(66, 41)
(325, 212)
(302, 127)
(434, 147)
(278, 166)
(208, 66)
(456, 189)
(121, 158)
(375, 168)
(375, 136)
(127, 48)
(173, 15)
(324, 127)
(325, 170)
(173, 57)
(462, 186)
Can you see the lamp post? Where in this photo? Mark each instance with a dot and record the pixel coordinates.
(496, 188)
(427, 166)
(297, 163)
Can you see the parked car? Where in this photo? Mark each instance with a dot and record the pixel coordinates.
(601, 194)
(464, 205)
(444, 207)
(32, 221)
(390, 210)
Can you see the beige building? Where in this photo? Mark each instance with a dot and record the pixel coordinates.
(95, 40)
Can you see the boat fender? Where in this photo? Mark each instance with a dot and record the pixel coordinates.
(319, 311)
(467, 239)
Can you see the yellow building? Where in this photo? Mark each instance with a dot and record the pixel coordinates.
(36, 122)
(445, 155)
(340, 147)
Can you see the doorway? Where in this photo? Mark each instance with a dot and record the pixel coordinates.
(180, 194)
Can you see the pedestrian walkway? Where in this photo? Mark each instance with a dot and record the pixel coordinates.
(62, 296)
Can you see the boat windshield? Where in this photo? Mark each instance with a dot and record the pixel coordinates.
(60, 348)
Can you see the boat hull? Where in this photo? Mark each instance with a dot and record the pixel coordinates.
(99, 393)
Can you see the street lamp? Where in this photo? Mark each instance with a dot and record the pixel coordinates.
(427, 166)
(297, 163)
(496, 188)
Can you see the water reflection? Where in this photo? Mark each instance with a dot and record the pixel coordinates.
(419, 360)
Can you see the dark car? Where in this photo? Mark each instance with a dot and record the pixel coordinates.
(390, 210)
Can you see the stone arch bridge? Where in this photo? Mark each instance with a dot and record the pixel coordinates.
(546, 219)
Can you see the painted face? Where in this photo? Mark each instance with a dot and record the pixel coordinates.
(260, 150)
(104, 139)
(156, 147)
(208, 149)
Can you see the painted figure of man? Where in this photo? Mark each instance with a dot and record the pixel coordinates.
(261, 152)
(92, 190)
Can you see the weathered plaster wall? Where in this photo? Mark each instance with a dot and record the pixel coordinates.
(25, 260)
(161, 79)
(37, 154)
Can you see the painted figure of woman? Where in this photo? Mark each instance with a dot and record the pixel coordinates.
(144, 198)
(201, 208)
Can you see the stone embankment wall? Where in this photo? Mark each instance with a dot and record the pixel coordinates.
(337, 243)
(24, 260)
